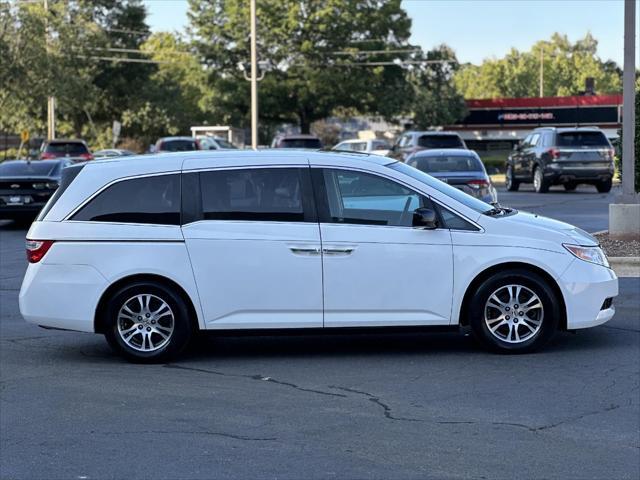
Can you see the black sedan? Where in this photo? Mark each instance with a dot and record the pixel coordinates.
(460, 168)
(25, 186)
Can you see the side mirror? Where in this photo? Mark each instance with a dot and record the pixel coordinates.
(425, 218)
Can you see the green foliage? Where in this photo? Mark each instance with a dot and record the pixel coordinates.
(311, 49)
(566, 66)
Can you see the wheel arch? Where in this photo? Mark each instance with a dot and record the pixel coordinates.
(488, 272)
(98, 318)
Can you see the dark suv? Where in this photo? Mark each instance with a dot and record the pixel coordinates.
(561, 156)
(411, 142)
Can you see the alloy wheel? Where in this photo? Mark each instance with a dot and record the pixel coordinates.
(145, 323)
(513, 313)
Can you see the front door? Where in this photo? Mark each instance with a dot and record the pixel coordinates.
(378, 269)
(254, 245)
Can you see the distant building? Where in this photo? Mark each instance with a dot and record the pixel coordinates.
(497, 124)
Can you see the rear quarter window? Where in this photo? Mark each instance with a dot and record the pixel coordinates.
(147, 200)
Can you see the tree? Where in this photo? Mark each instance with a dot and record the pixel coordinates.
(566, 67)
(313, 51)
(436, 101)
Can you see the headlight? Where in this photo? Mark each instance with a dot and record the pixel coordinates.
(588, 254)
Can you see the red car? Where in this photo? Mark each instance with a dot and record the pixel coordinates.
(65, 148)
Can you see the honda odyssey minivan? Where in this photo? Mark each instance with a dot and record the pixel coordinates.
(150, 250)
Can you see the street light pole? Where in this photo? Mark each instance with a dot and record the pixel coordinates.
(629, 100)
(541, 72)
(51, 101)
(254, 79)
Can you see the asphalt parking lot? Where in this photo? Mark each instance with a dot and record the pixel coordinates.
(369, 406)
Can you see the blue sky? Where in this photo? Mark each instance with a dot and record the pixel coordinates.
(477, 29)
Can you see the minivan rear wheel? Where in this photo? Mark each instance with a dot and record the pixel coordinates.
(147, 322)
(515, 311)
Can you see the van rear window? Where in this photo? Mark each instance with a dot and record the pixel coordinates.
(582, 139)
(68, 176)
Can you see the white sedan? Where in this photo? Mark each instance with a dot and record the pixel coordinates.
(150, 252)
(375, 146)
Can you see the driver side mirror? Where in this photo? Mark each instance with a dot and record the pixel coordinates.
(425, 218)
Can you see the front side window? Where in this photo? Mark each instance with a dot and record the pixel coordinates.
(534, 139)
(266, 194)
(361, 198)
(150, 200)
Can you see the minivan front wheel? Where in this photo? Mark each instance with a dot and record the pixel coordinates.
(514, 312)
(147, 322)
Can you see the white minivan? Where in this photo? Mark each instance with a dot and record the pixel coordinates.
(149, 250)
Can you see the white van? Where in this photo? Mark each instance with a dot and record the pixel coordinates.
(148, 250)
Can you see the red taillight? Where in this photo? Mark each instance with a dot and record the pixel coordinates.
(86, 156)
(36, 249)
(554, 152)
(47, 156)
(478, 184)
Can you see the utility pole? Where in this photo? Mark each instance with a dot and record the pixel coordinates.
(629, 100)
(51, 101)
(254, 79)
(624, 214)
(541, 72)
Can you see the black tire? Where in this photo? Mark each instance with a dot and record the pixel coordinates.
(604, 186)
(570, 187)
(178, 311)
(540, 184)
(510, 183)
(477, 311)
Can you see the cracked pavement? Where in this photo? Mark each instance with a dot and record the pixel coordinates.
(368, 406)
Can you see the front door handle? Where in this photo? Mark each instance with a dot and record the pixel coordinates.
(305, 249)
(338, 251)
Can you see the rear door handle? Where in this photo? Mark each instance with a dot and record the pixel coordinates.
(305, 249)
(338, 251)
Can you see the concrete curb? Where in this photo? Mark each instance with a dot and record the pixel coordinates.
(625, 266)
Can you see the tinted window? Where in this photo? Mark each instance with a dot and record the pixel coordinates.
(455, 222)
(362, 198)
(447, 163)
(267, 194)
(312, 143)
(582, 139)
(458, 195)
(178, 145)
(71, 148)
(139, 200)
(440, 141)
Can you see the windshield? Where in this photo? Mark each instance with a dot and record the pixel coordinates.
(444, 188)
(313, 143)
(582, 139)
(445, 163)
(440, 141)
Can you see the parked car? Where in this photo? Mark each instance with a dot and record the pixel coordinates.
(462, 169)
(562, 156)
(297, 141)
(71, 148)
(177, 144)
(375, 146)
(411, 142)
(112, 152)
(299, 240)
(208, 142)
(26, 186)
